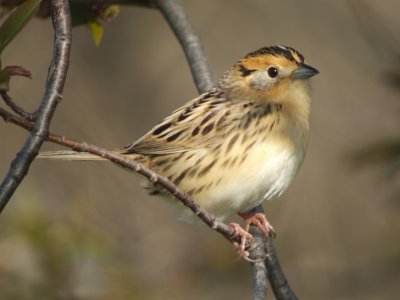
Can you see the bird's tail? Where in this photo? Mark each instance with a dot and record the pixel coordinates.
(68, 155)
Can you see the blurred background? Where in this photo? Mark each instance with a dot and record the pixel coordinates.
(86, 230)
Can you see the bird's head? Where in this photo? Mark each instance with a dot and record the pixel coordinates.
(272, 73)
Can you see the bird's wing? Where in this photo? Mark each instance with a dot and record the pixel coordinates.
(198, 124)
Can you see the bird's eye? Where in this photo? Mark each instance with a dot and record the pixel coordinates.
(272, 72)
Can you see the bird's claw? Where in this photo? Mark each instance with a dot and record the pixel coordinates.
(260, 221)
(251, 218)
(245, 240)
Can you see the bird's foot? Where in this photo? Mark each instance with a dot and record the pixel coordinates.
(245, 240)
(260, 221)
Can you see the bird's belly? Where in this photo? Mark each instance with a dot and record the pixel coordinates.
(267, 172)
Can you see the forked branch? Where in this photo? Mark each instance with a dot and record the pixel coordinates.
(52, 95)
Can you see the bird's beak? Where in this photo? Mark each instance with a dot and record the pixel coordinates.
(304, 71)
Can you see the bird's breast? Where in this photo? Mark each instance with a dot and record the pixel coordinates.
(267, 171)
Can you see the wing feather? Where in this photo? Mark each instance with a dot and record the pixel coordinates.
(195, 125)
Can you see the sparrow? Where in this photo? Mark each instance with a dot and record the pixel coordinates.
(236, 145)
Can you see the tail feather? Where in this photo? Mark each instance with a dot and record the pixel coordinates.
(68, 155)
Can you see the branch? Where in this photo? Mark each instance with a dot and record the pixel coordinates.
(268, 265)
(279, 283)
(54, 87)
(127, 163)
(31, 117)
(257, 253)
(190, 42)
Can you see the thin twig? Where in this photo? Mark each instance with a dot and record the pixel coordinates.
(190, 42)
(54, 87)
(31, 117)
(123, 161)
(279, 283)
(259, 269)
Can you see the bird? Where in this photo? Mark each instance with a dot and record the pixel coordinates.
(236, 145)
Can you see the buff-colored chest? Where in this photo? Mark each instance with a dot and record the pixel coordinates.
(244, 177)
(266, 173)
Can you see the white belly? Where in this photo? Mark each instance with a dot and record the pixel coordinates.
(267, 173)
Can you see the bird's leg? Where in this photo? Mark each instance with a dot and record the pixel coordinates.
(245, 240)
(257, 217)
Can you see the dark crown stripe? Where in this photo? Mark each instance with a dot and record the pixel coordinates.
(286, 52)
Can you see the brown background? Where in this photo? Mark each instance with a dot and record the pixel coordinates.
(88, 231)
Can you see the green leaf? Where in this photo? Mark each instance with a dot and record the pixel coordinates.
(16, 21)
(97, 30)
(110, 12)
